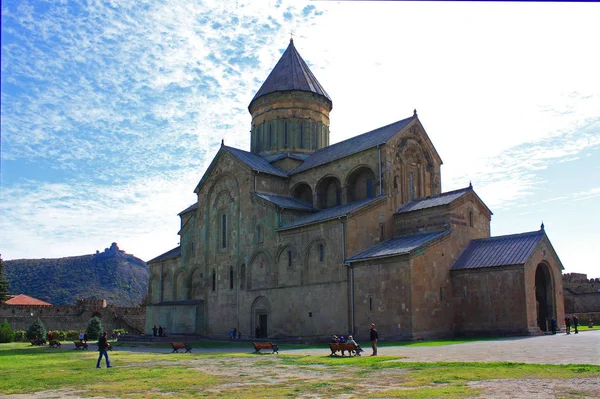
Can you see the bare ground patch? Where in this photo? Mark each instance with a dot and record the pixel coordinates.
(580, 388)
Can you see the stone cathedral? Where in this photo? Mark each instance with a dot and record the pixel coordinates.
(299, 238)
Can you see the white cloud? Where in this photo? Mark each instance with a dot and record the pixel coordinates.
(112, 111)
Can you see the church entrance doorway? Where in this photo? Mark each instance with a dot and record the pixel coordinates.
(544, 297)
(260, 314)
(262, 324)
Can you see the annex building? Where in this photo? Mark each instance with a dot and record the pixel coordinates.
(298, 238)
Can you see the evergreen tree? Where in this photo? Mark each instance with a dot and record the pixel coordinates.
(37, 330)
(94, 328)
(3, 283)
(6, 332)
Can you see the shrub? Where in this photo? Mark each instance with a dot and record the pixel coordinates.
(20, 335)
(59, 335)
(94, 329)
(37, 330)
(72, 335)
(6, 332)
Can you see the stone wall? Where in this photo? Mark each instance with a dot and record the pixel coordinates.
(582, 295)
(77, 317)
(477, 308)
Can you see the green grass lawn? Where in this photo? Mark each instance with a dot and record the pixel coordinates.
(26, 369)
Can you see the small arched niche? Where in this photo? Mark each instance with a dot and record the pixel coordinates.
(329, 193)
(303, 192)
(361, 184)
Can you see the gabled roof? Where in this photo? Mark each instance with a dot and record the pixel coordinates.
(433, 201)
(188, 209)
(26, 300)
(330, 213)
(291, 155)
(352, 146)
(440, 200)
(291, 74)
(173, 253)
(397, 246)
(253, 161)
(286, 202)
(514, 249)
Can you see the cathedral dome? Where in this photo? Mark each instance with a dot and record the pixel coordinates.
(291, 74)
(290, 111)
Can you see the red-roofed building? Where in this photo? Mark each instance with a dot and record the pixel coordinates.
(25, 300)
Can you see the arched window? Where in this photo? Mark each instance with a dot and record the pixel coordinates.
(231, 277)
(321, 252)
(224, 231)
(470, 218)
(242, 276)
(258, 139)
(289, 258)
(214, 280)
(411, 185)
(258, 234)
(301, 136)
(395, 181)
(270, 137)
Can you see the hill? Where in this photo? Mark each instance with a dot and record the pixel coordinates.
(120, 278)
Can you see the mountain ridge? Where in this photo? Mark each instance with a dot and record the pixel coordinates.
(114, 275)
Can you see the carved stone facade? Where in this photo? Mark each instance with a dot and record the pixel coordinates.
(299, 238)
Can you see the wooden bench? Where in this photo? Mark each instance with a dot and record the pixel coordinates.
(265, 345)
(54, 344)
(344, 347)
(81, 345)
(181, 345)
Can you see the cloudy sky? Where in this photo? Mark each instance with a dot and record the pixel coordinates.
(112, 110)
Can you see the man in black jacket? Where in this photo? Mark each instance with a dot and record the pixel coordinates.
(103, 349)
(374, 336)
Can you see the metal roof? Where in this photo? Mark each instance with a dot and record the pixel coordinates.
(173, 253)
(397, 246)
(189, 208)
(292, 155)
(437, 200)
(330, 213)
(291, 74)
(514, 249)
(255, 162)
(352, 146)
(286, 202)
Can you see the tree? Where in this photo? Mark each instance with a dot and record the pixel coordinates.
(94, 328)
(3, 283)
(6, 332)
(37, 330)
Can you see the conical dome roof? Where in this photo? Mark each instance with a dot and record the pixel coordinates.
(291, 74)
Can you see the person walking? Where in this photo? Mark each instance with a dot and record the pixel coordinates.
(81, 336)
(575, 324)
(374, 337)
(154, 331)
(568, 324)
(160, 331)
(103, 349)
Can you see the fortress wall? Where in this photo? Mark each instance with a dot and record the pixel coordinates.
(76, 317)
